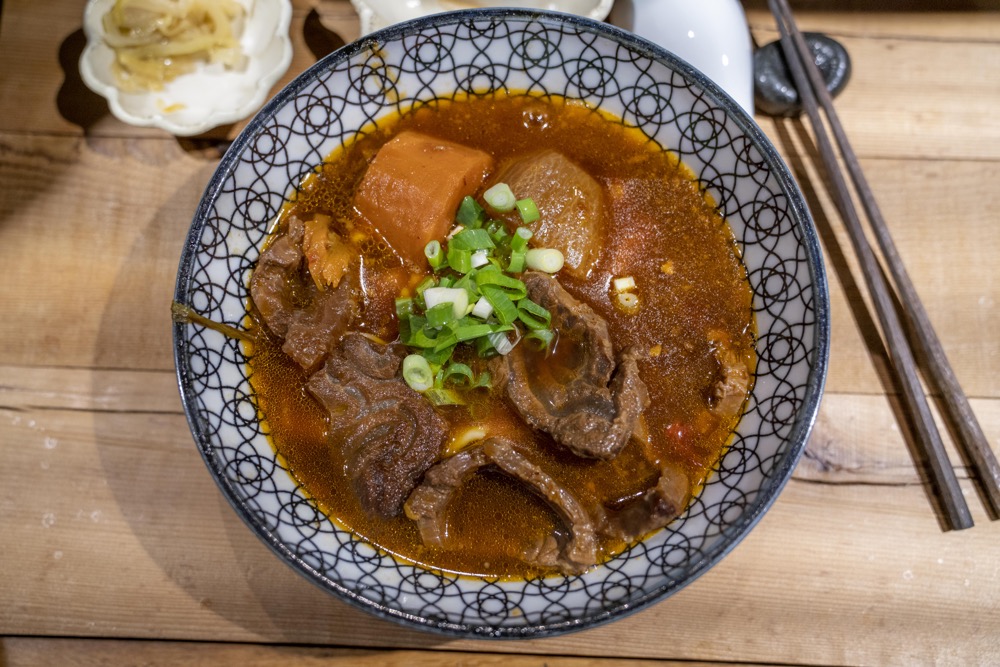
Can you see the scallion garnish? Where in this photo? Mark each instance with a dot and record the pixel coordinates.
(459, 259)
(434, 254)
(519, 242)
(417, 373)
(471, 239)
(473, 298)
(500, 198)
(548, 260)
(527, 210)
(470, 214)
(534, 316)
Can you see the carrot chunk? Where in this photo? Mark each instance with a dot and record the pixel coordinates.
(413, 187)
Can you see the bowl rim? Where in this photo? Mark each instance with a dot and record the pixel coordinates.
(807, 413)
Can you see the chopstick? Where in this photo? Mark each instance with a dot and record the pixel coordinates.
(810, 85)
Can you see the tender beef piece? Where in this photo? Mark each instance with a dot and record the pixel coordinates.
(314, 330)
(573, 555)
(390, 434)
(311, 319)
(586, 399)
(272, 281)
(732, 383)
(428, 504)
(571, 203)
(651, 511)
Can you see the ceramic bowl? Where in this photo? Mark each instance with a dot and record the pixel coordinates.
(206, 98)
(438, 57)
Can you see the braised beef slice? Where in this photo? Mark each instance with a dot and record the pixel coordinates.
(732, 382)
(572, 555)
(389, 433)
(589, 401)
(272, 282)
(428, 504)
(651, 511)
(310, 319)
(570, 552)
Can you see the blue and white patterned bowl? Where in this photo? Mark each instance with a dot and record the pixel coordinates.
(475, 51)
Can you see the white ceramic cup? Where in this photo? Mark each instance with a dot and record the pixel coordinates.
(711, 35)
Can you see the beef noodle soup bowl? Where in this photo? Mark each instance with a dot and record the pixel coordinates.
(505, 324)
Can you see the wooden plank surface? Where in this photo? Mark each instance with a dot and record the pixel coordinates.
(112, 528)
(32, 652)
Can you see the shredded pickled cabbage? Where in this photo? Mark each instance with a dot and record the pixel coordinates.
(155, 41)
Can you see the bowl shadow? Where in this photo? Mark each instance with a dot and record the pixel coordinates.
(171, 504)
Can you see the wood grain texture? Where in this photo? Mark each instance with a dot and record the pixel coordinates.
(113, 531)
(32, 652)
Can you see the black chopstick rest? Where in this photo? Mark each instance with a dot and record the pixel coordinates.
(774, 90)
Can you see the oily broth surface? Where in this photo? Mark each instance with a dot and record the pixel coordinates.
(662, 232)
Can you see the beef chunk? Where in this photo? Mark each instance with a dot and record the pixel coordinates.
(732, 382)
(272, 282)
(570, 555)
(428, 504)
(311, 318)
(571, 552)
(651, 511)
(389, 433)
(586, 399)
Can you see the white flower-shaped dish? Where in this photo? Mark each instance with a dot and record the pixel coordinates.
(376, 14)
(211, 95)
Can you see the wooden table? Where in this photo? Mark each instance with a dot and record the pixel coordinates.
(116, 547)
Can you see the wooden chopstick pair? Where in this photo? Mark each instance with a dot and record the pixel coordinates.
(814, 95)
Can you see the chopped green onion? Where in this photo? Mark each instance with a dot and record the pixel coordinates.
(542, 337)
(462, 371)
(628, 301)
(514, 288)
(482, 309)
(484, 348)
(548, 260)
(519, 242)
(503, 307)
(417, 373)
(498, 231)
(457, 297)
(480, 258)
(440, 315)
(534, 316)
(470, 213)
(437, 358)
(429, 281)
(446, 341)
(516, 263)
(420, 337)
(442, 396)
(460, 260)
(500, 198)
(434, 254)
(471, 239)
(501, 343)
(404, 308)
(529, 212)
(624, 284)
